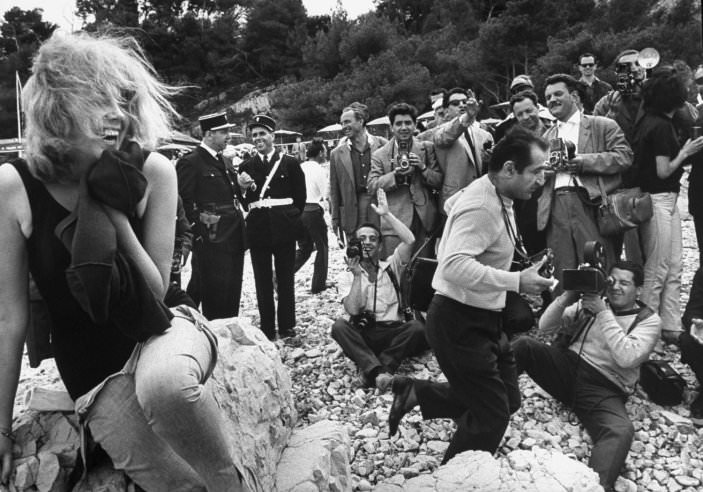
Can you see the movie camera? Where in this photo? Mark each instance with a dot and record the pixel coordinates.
(629, 77)
(591, 276)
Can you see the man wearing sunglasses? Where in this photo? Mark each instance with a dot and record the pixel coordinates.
(594, 87)
(460, 143)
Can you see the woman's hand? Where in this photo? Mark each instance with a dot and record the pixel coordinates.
(5, 458)
(691, 147)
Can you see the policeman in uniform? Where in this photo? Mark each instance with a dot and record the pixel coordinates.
(211, 199)
(273, 190)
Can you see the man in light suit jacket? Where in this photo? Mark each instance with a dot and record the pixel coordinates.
(565, 207)
(407, 170)
(460, 143)
(350, 163)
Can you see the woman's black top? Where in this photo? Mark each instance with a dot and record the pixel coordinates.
(85, 352)
(655, 135)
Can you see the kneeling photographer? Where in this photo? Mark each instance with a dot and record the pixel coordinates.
(379, 334)
(595, 368)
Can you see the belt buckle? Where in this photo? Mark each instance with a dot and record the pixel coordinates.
(266, 202)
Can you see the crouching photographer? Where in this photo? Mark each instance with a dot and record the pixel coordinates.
(598, 366)
(379, 334)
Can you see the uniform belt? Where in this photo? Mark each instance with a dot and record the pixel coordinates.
(271, 202)
(220, 208)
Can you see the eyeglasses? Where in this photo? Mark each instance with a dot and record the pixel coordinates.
(586, 65)
(457, 102)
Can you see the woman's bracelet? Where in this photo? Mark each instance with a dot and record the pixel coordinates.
(7, 433)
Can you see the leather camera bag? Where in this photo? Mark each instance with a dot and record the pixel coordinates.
(622, 210)
(418, 276)
(420, 272)
(661, 382)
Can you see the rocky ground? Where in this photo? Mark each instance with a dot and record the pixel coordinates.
(666, 455)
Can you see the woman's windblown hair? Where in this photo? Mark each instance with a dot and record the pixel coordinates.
(75, 79)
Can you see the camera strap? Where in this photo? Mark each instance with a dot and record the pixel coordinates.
(513, 233)
(402, 307)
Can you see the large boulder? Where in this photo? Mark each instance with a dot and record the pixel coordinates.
(538, 470)
(252, 387)
(45, 452)
(316, 459)
(254, 390)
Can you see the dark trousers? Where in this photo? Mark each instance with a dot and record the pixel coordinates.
(315, 234)
(381, 348)
(517, 315)
(283, 260)
(481, 390)
(216, 278)
(692, 353)
(597, 402)
(698, 225)
(573, 223)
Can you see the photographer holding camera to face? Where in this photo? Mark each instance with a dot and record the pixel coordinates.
(407, 170)
(378, 335)
(594, 371)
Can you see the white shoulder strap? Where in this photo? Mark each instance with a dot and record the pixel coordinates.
(270, 177)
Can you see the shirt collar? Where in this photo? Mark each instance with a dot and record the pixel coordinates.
(382, 267)
(209, 149)
(267, 156)
(575, 120)
(347, 141)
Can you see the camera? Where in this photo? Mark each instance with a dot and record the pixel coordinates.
(364, 321)
(547, 269)
(590, 277)
(561, 151)
(355, 248)
(627, 80)
(403, 162)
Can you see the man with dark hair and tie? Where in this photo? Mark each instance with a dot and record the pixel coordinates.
(460, 143)
(211, 197)
(273, 190)
(407, 170)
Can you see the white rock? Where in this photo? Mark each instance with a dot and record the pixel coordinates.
(687, 481)
(438, 446)
(254, 391)
(368, 432)
(316, 459)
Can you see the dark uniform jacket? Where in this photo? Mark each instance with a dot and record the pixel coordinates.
(208, 185)
(280, 223)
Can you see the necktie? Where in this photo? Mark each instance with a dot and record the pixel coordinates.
(470, 141)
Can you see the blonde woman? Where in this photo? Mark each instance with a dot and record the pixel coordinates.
(143, 393)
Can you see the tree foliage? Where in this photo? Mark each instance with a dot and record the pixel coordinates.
(402, 51)
(21, 33)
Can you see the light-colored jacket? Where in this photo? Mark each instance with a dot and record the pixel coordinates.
(455, 157)
(403, 200)
(607, 345)
(606, 153)
(343, 199)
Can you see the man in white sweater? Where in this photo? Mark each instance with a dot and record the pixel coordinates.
(464, 321)
(597, 365)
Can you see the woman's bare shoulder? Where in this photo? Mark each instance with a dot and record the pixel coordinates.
(15, 200)
(157, 165)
